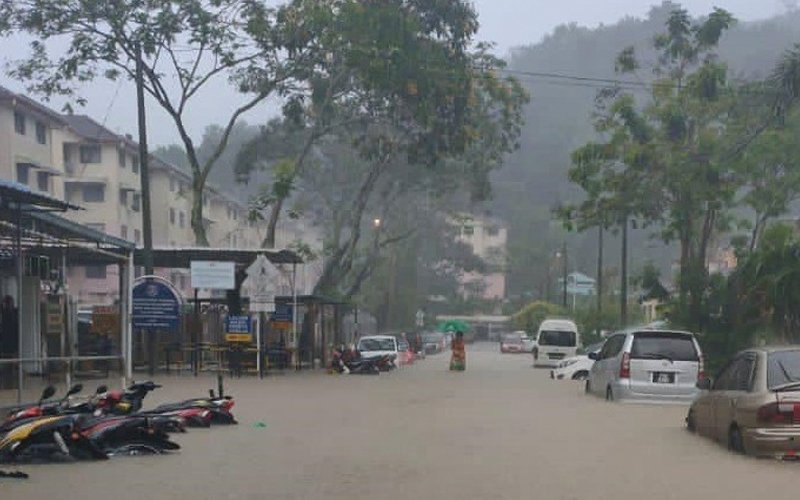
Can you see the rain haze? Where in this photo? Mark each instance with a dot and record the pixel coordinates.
(507, 23)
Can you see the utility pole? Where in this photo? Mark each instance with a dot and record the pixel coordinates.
(564, 254)
(623, 296)
(599, 290)
(144, 177)
(144, 173)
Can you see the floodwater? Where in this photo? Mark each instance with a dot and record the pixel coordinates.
(499, 430)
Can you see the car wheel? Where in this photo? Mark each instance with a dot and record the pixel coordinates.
(609, 394)
(691, 425)
(735, 441)
(581, 375)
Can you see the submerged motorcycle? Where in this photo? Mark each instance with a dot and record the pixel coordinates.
(56, 429)
(346, 360)
(201, 412)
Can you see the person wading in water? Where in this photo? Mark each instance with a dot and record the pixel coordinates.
(458, 360)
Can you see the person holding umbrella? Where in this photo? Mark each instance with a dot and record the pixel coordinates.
(458, 360)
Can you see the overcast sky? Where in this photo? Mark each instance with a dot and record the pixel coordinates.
(509, 23)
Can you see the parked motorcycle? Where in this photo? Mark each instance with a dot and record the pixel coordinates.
(200, 412)
(46, 438)
(349, 361)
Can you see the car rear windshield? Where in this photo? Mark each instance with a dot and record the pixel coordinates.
(376, 345)
(512, 338)
(557, 338)
(663, 345)
(783, 367)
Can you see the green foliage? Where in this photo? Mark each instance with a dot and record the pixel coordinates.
(530, 317)
(662, 161)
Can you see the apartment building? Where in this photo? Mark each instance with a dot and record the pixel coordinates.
(29, 146)
(488, 238)
(76, 158)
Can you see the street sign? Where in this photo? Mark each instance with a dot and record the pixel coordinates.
(237, 324)
(283, 312)
(214, 275)
(238, 329)
(156, 305)
(259, 283)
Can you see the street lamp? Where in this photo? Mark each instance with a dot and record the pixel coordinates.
(562, 254)
(377, 222)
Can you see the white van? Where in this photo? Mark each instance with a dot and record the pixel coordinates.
(556, 340)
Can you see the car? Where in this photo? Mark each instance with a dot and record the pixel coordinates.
(576, 367)
(647, 365)
(528, 343)
(511, 343)
(405, 355)
(753, 404)
(373, 346)
(433, 342)
(556, 340)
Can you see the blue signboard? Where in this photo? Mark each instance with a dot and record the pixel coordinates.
(156, 305)
(283, 312)
(237, 324)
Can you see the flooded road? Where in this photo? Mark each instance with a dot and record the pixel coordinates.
(499, 430)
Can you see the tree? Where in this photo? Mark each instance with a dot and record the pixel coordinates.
(183, 45)
(663, 160)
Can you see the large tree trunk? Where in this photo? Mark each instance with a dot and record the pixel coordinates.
(272, 224)
(199, 228)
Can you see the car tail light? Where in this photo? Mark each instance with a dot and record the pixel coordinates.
(625, 366)
(779, 413)
(701, 367)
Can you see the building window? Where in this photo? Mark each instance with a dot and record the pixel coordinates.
(135, 164)
(123, 197)
(41, 133)
(22, 173)
(172, 216)
(121, 157)
(171, 185)
(43, 181)
(96, 272)
(492, 230)
(182, 220)
(19, 122)
(90, 153)
(468, 231)
(136, 203)
(94, 193)
(123, 232)
(137, 236)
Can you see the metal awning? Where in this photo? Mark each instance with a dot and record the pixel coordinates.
(21, 196)
(181, 257)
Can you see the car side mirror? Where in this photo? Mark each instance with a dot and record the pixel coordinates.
(704, 384)
(594, 356)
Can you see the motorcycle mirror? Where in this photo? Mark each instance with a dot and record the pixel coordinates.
(75, 389)
(101, 389)
(47, 393)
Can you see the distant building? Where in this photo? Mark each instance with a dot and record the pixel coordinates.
(488, 238)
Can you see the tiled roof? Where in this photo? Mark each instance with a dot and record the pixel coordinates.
(27, 102)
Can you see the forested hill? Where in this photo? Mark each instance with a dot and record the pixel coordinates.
(559, 120)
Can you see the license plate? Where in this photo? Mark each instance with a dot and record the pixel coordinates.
(663, 378)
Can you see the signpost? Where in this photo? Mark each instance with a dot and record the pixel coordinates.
(260, 285)
(237, 329)
(214, 275)
(156, 305)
